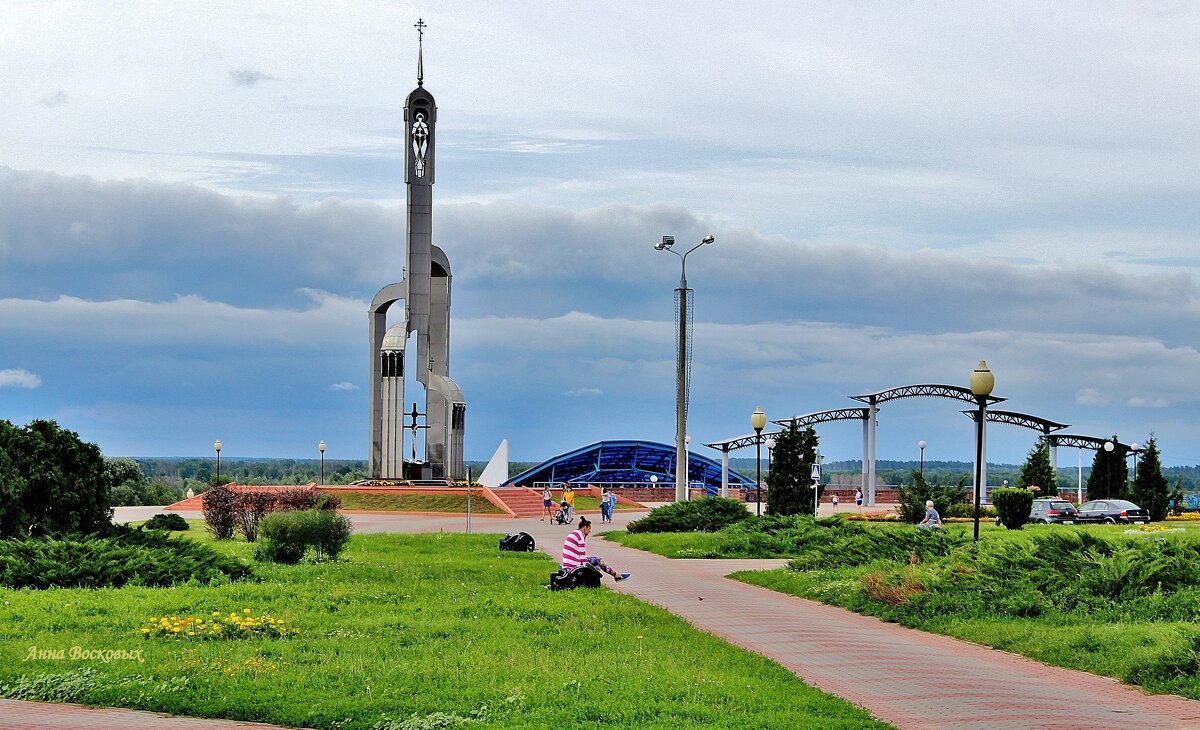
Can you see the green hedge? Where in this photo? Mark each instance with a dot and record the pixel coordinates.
(128, 557)
(698, 515)
(285, 537)
(170, 523)
(1013, 506)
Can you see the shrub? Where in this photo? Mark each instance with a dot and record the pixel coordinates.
(912, 498)
(250, 508)
(967, 510)
(287, 536)
(128, 557)
(221, 511)
(1013, 506)
(163, 521)
(51, 482)
(698, 515)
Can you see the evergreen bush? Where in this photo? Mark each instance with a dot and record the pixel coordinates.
(1013, 506)
(1036, 472)
(51, 482)
(127, 557)
(287, 536)
(912, 499)
(698, 515)
(168, 522)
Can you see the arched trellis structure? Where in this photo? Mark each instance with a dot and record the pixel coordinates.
(925, 390)
(810, 419)
(1024, 420)
(1080, 443)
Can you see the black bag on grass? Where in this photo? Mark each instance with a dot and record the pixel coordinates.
(522, 542)
(585, 576)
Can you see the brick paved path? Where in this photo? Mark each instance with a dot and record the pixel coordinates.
(908, 678)
(904, 677)
(17, 715)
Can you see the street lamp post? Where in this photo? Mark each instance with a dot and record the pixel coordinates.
(758, 420)
(921, 445)
(1134, 448)
(982, 381)
(770, 444)
(687, 465)
(681, 375)
(321, 448)
(1109, 446)
(217, 447)
(816, 480)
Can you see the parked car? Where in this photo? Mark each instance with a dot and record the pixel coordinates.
(1112, 511)
(1053, 510)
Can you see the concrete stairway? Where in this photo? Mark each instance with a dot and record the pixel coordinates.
(523, 502)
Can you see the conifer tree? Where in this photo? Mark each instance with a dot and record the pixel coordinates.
(1107, 479)
(1036, 471)
(789, 488)
(1150, 488)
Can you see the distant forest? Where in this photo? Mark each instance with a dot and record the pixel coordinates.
(180, 474)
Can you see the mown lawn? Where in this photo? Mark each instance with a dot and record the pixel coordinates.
(389, 502)
(409, 631)
(1126, 609)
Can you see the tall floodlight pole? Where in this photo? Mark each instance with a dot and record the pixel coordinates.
(921, 445)
(321, 448)
(681, 376)
(217, 448)
(982, 381)
(758, 420)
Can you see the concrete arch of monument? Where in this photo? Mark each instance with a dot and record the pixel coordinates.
(387, 296)
(439, 262)
(625, 461)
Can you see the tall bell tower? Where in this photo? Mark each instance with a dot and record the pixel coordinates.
(425, 291)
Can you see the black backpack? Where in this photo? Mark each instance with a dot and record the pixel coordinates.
(522, 542)
(584, 576)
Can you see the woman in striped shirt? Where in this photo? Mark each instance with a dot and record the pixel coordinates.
(575, 551)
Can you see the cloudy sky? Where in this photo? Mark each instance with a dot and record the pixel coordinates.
(198, 200)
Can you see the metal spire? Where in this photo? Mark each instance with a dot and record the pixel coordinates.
(421, 25)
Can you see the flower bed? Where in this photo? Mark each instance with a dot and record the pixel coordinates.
(218, 626)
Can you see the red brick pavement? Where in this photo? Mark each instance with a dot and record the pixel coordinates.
(908, 678)
(17, 715)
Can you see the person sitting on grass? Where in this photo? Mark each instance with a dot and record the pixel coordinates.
(575, 551)
(932, 518)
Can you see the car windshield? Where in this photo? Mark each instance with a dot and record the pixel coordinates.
(1061, 505)
(1124, 505)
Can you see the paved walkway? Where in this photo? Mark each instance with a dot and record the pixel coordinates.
(908, 678)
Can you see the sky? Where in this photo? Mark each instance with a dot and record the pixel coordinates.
(198, 201)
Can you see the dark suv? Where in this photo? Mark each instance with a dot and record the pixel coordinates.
(1050, 510)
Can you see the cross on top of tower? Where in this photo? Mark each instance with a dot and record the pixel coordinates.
(420, 25)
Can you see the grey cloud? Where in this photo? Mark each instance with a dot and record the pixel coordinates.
(248, 77)
(344, 385)
(58, 98)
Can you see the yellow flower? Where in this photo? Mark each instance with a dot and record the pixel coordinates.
(246, 610)
(145, 631)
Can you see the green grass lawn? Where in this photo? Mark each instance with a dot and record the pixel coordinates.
(409, 631)
(390, 502)
(1149, 639)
